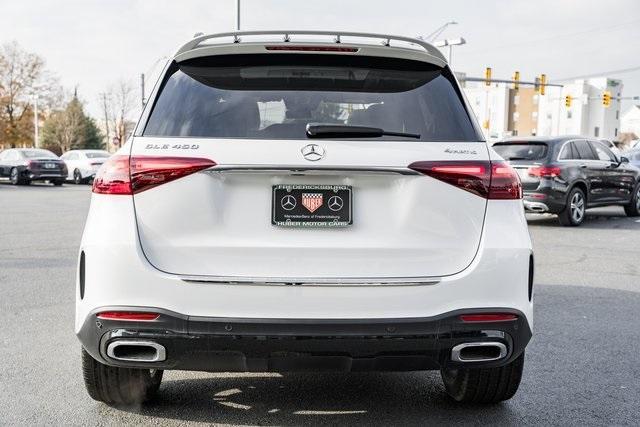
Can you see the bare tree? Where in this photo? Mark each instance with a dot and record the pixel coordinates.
(119, 104)
(22, 76)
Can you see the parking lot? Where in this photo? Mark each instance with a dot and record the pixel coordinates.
(582, 366)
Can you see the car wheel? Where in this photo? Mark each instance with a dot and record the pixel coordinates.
(633, 208)
(77, 177)
(124, 386)
(483, 385)
(14, 177)
(574, 213)
(58, 182)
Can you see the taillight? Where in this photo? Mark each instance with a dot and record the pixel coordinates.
(131, 316)
(488, 317)
(544, 171)
(505, 182)
(495, 180)
(113, 177)
(130, 175)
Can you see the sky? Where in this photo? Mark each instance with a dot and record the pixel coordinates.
(90, 44)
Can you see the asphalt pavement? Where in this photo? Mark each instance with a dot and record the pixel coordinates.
(582, 367)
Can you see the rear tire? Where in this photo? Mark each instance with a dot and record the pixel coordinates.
(575, 209)
(119, 386)
(77, 177)
(484, 385)
(633, 208)
(58, 182)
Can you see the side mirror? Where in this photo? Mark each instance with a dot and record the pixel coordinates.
(624, 159)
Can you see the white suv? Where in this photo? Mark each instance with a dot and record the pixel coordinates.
(314, 204)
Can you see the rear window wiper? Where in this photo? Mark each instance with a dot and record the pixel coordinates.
(316, 130)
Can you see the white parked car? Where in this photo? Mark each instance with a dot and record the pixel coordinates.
(305, 205)
(82, 165)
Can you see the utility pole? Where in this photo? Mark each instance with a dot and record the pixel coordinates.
(237, 15)
(142, 89)
(36, 133)
(106, 119)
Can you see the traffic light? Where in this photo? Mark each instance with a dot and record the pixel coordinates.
(516, 80)
(543, 82)
(567, 101)
(536, 85)
(606, 98)
(487, 76)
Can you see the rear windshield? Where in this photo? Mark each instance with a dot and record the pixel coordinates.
(96, 155)
(521, 150)
(33, 154)
(276, 96)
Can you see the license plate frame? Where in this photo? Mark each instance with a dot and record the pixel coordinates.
(312, 206)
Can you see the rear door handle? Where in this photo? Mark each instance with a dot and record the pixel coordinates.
(583, 166)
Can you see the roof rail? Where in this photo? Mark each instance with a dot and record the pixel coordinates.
(286, 37)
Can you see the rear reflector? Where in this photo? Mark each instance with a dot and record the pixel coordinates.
(488, 317)
(313, 48)
(491, 180)
(132, 316)
(125, 175)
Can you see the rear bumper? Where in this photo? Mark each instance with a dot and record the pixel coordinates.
(260, 345)
(44, 175)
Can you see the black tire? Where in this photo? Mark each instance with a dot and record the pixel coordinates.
(484, 385)
(574, 212)
(58, 182)
(14, 177)
(119, 386)
(77, 177)
(633, 208)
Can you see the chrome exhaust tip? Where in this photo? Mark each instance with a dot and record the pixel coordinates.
(136, 351)
(478, 352)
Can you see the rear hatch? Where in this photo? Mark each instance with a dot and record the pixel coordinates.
(522, 156)
(262, 204)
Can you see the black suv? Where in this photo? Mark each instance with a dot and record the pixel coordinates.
(566, 175)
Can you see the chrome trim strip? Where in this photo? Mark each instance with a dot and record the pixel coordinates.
(296, 169)
(311, 281)
(455, 351)
(160, 356)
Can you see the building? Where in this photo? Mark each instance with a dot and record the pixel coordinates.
(587, 115)
(630, 120)
(503, 111)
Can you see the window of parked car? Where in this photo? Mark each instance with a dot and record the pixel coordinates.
(568, 152)
(32, 154)
(96, 154)
(70, 156)
(603, 152)
(584, 150)
(521, 150)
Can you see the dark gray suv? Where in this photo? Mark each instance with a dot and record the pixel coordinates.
(568, 174)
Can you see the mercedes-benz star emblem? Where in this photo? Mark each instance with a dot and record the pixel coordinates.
(288, 202)
(312, 152)
(335, 203)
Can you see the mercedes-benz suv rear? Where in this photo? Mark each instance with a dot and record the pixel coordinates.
(312, 205)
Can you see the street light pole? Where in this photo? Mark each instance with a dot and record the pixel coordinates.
(450, 43)
(36, 133)
(237, 15)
